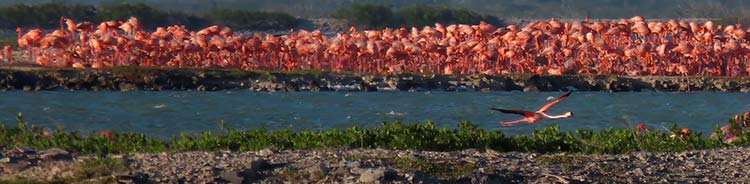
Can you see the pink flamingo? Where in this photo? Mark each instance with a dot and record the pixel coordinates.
(533, 117)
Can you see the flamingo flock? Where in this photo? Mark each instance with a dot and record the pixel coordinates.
(626, 47)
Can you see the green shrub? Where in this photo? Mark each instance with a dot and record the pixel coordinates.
(419, 16)
(372, 15)
(396, 135)
(247, 19)
(379, 16)
(44, 15)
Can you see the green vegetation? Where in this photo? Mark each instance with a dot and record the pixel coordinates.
(12, 41)
(31, 136)
(394, 135)
(47, 15)
(427, 15)
(148, 16)
(732, 21)
(100, 168)
(525, 9)
(373, 15)
(96, 170)
(247, 19)
(379, 16)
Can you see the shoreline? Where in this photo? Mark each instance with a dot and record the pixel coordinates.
(376, 166)
(29, 78)
(397, 155)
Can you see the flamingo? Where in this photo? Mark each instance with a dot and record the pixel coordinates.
(533, 117)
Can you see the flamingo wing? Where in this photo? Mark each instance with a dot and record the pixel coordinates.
(511, 123)
(554, 102)
(512, 111)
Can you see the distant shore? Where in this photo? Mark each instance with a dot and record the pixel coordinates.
(29, 78)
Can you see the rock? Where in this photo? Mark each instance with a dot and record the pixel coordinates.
(372, 175)
(124, 86)
(259, 165)
(317, 171)
(340, 171)
(16, 167)
(491, 152)
(530, 89)
(638, 172)
(265, 152)
(25, 150)
(353, 164)
(234, 177)
(478, 178)
(55, 154)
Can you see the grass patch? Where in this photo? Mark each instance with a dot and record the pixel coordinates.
(314, 73)
(31, 136)
(12, 41)
(395, 135)
(444, 171)
(100, 169)
(135, 70)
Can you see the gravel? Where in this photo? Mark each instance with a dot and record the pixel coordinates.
(391, 166)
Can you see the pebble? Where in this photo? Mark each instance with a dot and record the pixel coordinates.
(342, 166)
(372, 175)
(55, 154)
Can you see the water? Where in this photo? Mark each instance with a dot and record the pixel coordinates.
(168, 113)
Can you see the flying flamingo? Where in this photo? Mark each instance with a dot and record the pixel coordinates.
(533, 117)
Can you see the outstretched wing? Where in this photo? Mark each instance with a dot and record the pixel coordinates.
(511, 123)
(555, 102)
(512, 111)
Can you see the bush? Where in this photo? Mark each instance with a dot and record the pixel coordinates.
(379, 16)
(732, 21)
(46, 15)
(148, 16)
(371, 15)
(247, 19)
(428, 15)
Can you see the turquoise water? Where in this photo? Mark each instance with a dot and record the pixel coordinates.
(168, 113)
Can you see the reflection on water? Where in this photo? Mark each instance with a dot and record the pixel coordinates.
(170, 112)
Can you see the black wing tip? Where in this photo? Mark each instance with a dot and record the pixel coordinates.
(567, 94)
(501, 110)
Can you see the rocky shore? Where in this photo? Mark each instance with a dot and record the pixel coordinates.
(131, 78)
(376, 166)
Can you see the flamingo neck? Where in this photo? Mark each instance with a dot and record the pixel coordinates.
(555, 117)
